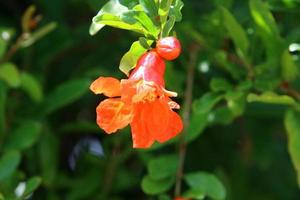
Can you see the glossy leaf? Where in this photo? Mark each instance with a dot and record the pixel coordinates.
(292, 126)
(9, 162)
(162, 167)
(65, 94)
(236, 32)
(208, 183)
(10, 74)
(272, 98)
(175, 10)
(24, 136)
(168, 27)
(154, 187)
(130, 58)
(32, 87)
(149, 7)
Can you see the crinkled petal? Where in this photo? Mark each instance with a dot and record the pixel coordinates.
(113, 114)
(108, 86)
(141, 135)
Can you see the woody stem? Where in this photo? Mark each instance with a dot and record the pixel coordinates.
(188, 97)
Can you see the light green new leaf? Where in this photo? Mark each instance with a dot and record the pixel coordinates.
(24, 136)
(31, 185)
(196, 194)
(168, 26)
(289, 70)
(65, 94)
(162, 167)
(9, 162)
(292, 125)
(32, 87)
(154, 187)
(272, 98)
(9, 73)
(236, 32)
(175, 10)
(208, 183)
(263, 17)
(131, 57)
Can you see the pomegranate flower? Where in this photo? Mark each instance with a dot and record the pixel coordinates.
(141, 101)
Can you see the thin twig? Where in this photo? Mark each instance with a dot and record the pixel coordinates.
(186, 115)
(290, 91)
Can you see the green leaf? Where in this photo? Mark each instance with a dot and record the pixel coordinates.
(24, 136)
(236, 32)
(117, 22)
(144, 43)
(38, 34)
(149, 7)
(9, 162)
(175, 10)
(208, 183)
(272, 98)
(32, 87)
(222, 115)
(3, 97)
(65, 94)
(111, 7)
(220, 84)
(168, 27)
(263, 17)
(154, 187)
(206, 102)
(5, 36)
(162, 167)
(292, 126)
(198, 123)
(131, 57)
(289, 69)
(31, 185)
(10, 74)
(196, 194)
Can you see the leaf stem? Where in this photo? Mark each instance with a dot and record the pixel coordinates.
(188, 97)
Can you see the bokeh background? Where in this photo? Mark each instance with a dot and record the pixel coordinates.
(47, 113)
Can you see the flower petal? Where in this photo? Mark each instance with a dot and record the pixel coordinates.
(141, 136)
(109, 86)
(113, 114)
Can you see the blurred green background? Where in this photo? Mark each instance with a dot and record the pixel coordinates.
(50, 143)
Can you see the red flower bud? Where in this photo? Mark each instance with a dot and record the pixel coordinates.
(168, 48)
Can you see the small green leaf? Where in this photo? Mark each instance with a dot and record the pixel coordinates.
(289, 69)
(263, 17)
(31, 185)
(175, 10)
(149, 7)
(131, 57)
(206, 102)
(220, 84)
(208, 183)
(162, 167)
(32, 87)
(38, 34)
(24, 136)
(144, 43)
(65, 94)
(9, 163)
(236, 32)
(221, 115)
(272, 98)
(154, 187)
(292, 126)
(10, 74)
(168, 26)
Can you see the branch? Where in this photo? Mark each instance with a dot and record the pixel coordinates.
(188, 97)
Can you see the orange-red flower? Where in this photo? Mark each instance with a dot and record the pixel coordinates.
(141, 101)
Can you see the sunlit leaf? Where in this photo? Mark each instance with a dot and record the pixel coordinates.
(272, 98)
(289, 69)
(9, 73)
(31, 185)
